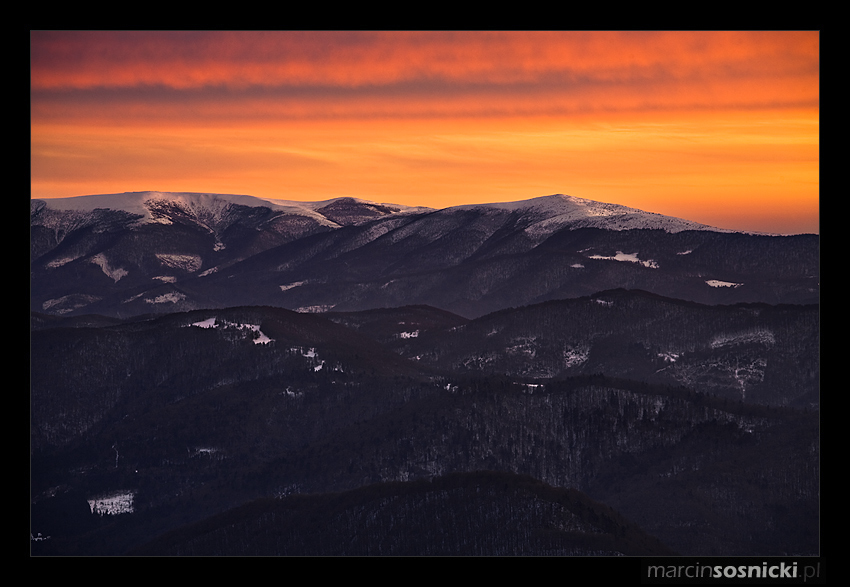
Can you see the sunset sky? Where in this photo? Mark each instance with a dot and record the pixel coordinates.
(717, 127)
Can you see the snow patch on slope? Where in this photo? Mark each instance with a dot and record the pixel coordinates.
(628, 257)
(758, 335)
(169, 298)
(258, 336)
(318, 309)
(112, 504)
(292, 285)
(718, 283)
(115, 273)
(550, 213)
(68, 303)
(190, 263)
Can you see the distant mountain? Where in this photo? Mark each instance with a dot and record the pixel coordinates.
(134, 246)
(216, 212)
(545, 214)
(151, 252)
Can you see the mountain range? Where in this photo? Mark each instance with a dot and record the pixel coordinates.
(226, 375)
(129, 254)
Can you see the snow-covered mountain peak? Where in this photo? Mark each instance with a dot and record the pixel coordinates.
(548, 213)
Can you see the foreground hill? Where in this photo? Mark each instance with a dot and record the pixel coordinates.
(469, 514)
(83, 373)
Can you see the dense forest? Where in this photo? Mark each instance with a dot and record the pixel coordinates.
(463, 514)
(189, 415)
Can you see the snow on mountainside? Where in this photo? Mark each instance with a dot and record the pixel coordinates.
(123, 254)
(549, 213)
(544, 214)
(140, 203)
(248, 223)
(156, 206)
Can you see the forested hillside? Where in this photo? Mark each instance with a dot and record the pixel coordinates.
(470, 514)
(176, 418)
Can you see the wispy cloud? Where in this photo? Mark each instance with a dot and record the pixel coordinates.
(429, 73)
(445, 109)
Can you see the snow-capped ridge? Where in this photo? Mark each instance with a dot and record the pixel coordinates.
(210, 209)
(153, 206)
(543, 214)
(553, 212)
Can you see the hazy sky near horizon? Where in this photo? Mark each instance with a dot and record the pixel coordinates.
(717, 127)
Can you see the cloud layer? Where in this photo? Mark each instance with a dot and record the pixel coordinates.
(450, 109)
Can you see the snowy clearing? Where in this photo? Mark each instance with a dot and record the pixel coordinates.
(575, 356)
(309, 353)
(628, 257)
(718, 283)
(291, 285)
(530, 388)
(758, 335)
(258, 336)
(169, 298)
(115, 503)
(315, 309)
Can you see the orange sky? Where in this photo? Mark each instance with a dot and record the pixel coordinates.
(717, 127)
